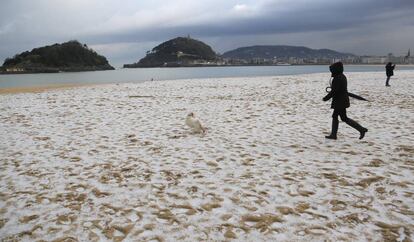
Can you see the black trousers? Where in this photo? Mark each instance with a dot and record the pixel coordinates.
(341, 113)
(387, 82)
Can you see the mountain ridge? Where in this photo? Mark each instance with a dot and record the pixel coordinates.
(282, 51)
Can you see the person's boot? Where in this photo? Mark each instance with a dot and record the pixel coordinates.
(335, 123)
(358, 127)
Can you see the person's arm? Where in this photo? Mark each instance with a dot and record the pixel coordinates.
(334, 90)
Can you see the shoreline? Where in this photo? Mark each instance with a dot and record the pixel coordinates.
(43, 88)
(49, 87)
(30, 83)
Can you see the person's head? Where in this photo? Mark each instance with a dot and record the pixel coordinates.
(389, 63)
(336, 68)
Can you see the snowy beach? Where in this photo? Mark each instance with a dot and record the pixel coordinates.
(117, 163)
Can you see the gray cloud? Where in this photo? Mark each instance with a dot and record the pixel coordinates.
(123, 31)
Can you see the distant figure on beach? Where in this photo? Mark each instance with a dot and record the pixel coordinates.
(389, 69)
(340, 101)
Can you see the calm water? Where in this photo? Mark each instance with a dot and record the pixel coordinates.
(145, 74)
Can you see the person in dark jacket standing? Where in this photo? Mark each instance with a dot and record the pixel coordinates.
(389, 69)
(340, 101)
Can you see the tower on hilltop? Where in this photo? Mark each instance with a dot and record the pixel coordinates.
(408, 59)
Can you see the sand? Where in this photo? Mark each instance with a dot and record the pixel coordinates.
(116, 162)
(37, 89)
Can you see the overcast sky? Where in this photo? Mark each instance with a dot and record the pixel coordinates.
(124, 30)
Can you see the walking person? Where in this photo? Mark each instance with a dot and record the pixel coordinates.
(389, 69)
(340, 101)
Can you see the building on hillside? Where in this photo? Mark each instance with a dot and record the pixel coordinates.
(14, 69)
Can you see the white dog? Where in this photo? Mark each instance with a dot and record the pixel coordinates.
(194, 124)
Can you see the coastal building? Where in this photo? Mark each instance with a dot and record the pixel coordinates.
(14, 69)
(259, 61)
(408, 59)
(374, 59)
(351, 59)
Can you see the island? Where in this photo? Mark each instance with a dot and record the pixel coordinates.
(71, 56)
(178, 52)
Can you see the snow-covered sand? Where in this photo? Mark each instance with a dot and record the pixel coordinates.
(116, 162)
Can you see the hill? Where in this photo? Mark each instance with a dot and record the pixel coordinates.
(281, 51)
(69, 56)
(180, 51)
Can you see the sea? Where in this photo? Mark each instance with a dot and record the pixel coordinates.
(159, 74)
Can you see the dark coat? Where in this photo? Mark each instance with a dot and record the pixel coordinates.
(339, 90)
(389, 69)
